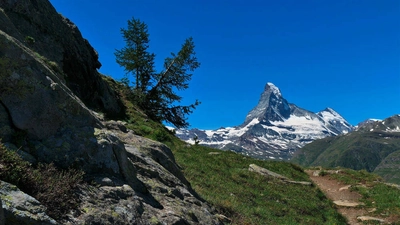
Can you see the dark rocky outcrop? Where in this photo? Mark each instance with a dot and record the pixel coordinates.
(57, 41)
(48, 78)
(271, 106)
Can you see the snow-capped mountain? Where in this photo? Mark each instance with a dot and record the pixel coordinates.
(391, 124)
(274, 129)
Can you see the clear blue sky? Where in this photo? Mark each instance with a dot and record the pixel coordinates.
(343, 54)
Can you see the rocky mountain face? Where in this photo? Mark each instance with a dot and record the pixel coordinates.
(374, 146)
(57, 42)
(48, 87)
(274, 129)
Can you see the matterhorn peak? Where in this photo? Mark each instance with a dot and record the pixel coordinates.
(274, 129)
(271, 106)
(274, 89)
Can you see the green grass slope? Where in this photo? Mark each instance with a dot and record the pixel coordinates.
(223, 179)
(389, 168)
(356, 150)
(372, 147)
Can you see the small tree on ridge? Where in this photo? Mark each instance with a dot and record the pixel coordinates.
(155, 92)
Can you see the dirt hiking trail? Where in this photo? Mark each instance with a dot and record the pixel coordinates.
(347, 202)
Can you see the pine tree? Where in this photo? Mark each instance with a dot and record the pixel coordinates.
(135, 57)
(155, 92)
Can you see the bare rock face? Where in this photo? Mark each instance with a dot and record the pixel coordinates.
(153, 191)
(38, 103)
(58, 42)
(149, 187)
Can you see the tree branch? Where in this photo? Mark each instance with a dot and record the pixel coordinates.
(163, 76)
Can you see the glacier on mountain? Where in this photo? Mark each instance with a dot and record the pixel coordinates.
(274, 129)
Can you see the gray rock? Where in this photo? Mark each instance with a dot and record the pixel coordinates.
(270, 174)
(156, 192)
(30, 99)
(370, 219)
(58, 41)
(265, 172)
(22, 209)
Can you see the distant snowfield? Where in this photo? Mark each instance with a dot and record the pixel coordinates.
(302, 129)
(273, 129)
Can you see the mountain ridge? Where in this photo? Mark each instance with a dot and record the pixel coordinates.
(373, 146)
(273, 129)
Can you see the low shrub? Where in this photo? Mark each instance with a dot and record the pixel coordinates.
(29, 40)
(161, 135)
(53, 187)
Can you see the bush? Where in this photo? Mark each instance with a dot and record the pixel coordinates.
(13, 169)
(54, 188)
(161, 135)
(323, 173)
(29, 40)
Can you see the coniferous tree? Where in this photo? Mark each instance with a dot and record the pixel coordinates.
(135, 58)
(155, 92)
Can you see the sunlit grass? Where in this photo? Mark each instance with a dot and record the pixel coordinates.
(223, 179)
(383, 198)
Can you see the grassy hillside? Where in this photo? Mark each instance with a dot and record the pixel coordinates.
(357, 150)
(389, 168)
(223, 179)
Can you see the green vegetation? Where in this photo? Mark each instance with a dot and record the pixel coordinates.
(357, 150)
(51, 64)
(353, 177)
(30, 40)
(223, 179)
(384, 198)
(155, 93)
(388, 169)
(249, 198)
(52, 187)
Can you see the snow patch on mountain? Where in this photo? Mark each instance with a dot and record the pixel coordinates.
(274, 129)
(274, 89)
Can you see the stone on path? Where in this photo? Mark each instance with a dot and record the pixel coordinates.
(346, 203)
(370, 218)
(344, 188)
